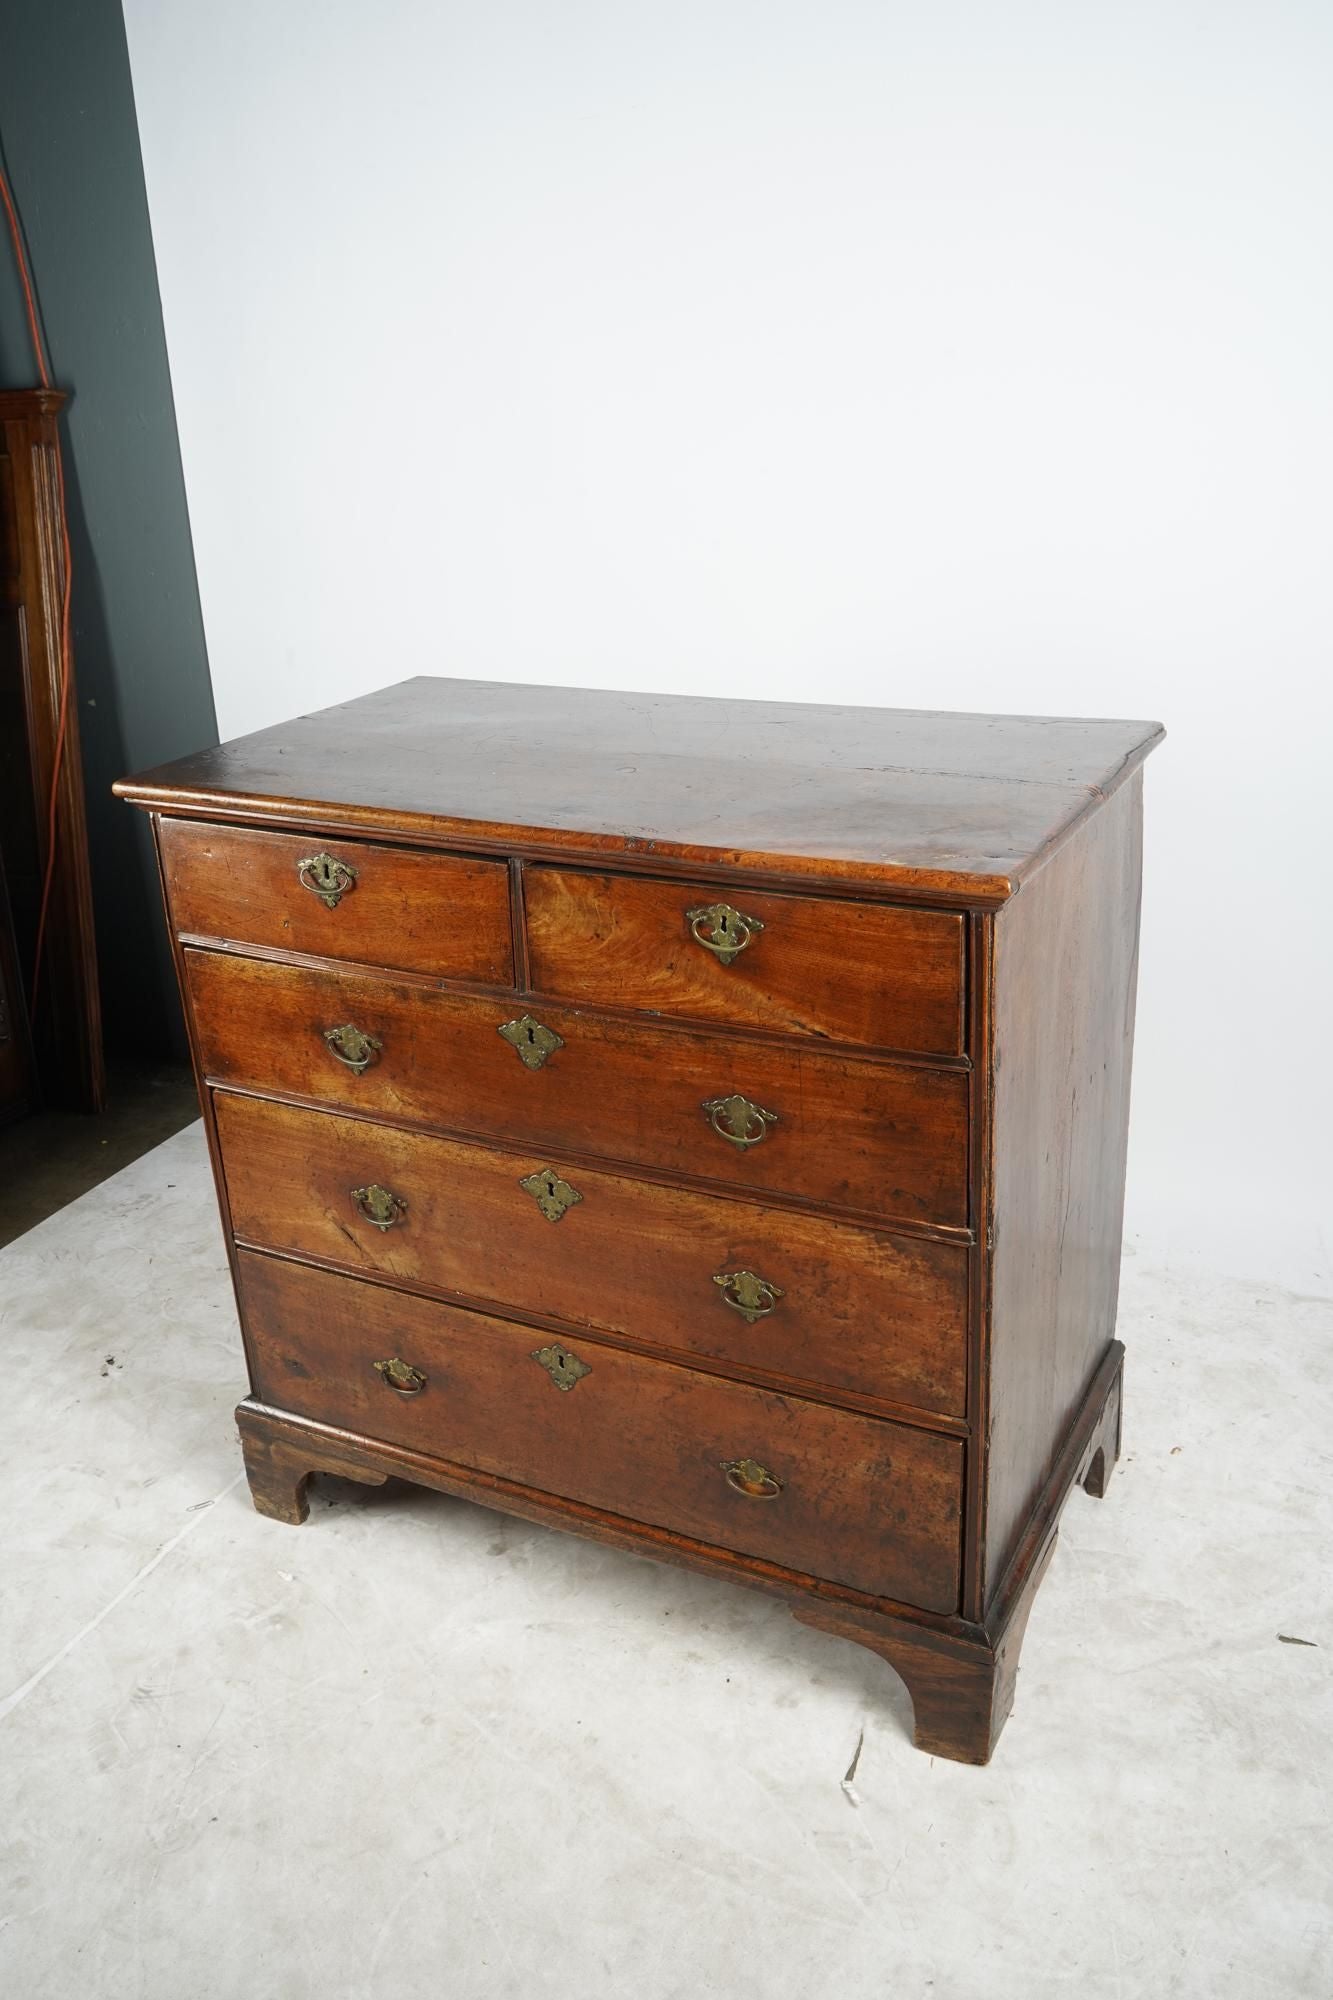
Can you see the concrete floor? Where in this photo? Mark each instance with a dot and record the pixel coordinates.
(414, 1748)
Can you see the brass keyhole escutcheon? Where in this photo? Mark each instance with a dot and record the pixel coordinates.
(553, 1196)
(378, 1205)
(533, 1042)
(400, 1376)
(722, 929)
(755, 1481)
(748, 1294)
(354, 1049)
(565, 1369)
(737, 1120)
(326, 877)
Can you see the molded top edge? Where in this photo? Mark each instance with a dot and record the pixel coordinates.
(925, 804)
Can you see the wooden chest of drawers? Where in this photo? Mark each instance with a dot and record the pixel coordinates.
(699, 1124)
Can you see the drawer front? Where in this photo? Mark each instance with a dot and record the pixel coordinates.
(862, 1502)
(880, 1139)
(417, 912)
(820, 1302)
(846, 972)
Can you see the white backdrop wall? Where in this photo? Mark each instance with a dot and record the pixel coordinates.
(934, 355)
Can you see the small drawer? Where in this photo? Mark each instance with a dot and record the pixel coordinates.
(410, 910)
(825, 1492)
(880, 1139)
(817, 1302)
(866, 973)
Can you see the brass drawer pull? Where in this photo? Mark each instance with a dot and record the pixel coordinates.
(326, 877)
(401, 1376)
(355, 1050)
(565, 1369)
(737, 1120)
(532, 1041)
(376, 1204)
(552, 1195)
(756, 1482)
(747, 1293)
(723, 930)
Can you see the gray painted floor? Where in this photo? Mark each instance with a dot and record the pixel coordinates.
(414, 1748)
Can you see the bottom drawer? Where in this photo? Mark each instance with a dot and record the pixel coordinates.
(858, 1501)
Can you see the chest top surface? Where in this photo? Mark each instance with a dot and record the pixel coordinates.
(918, 802)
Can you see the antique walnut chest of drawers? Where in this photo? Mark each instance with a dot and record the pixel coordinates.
(699, 1124)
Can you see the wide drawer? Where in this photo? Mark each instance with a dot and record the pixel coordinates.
(847, 972)
(782, 1293)
(883, 1139)
(826, 1492)
(417, 912)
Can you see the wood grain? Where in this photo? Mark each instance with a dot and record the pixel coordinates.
(847, 972)
(881, 1139)
(860, 1310)
(874, 1505)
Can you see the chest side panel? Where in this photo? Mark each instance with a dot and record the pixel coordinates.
(1065, 970)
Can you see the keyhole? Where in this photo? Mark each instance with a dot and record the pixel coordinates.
(532, 1037)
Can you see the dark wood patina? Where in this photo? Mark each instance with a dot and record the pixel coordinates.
(699, 1124)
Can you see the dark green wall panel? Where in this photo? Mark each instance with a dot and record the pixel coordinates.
(71, 145)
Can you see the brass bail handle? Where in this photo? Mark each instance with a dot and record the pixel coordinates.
(354, 1049)
(722, 929)
(326, 877)
(753, 1297)
(379, 1205)
(755, 1481)
(737, 1120)
(400, 1376)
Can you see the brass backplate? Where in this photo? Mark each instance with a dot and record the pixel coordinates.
(553, 1196)
(565, 1369)
(532, 1041)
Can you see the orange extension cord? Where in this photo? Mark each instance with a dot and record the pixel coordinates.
(66, 654)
